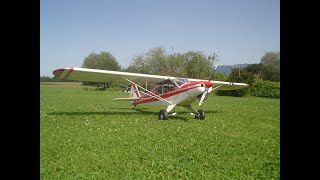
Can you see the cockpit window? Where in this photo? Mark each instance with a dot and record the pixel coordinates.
(165, 88)
(160, 90)
(181, 81)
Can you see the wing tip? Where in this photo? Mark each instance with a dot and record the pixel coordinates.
(58, 72)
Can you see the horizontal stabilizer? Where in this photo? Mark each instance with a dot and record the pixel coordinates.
(126, 99)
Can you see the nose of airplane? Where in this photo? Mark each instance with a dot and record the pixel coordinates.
(208, 84)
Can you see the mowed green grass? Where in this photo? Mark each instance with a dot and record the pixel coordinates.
(86, 135)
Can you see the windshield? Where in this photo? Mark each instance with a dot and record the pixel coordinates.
(181, 81)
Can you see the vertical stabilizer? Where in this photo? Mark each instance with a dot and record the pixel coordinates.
(134, 93)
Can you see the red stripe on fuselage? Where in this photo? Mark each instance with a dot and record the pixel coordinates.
(184, 88)
(152, 99)
(70, 71)
(193, 83)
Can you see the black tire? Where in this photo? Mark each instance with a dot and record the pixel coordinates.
(201, 115)
(163, 115)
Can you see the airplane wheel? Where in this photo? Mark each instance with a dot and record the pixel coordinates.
(163, 115)
(201, 115)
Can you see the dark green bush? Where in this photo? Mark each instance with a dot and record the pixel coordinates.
(267, 89)
(232, 92)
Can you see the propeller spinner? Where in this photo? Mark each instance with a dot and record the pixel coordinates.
(208, 87)
(206, 91)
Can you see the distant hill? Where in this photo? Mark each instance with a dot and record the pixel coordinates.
(226, 69)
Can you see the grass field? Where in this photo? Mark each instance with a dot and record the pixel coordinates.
(86, 135)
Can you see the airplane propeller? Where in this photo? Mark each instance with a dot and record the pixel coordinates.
(208, 87)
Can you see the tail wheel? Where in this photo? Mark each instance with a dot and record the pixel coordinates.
(201, 115)
(163, 115)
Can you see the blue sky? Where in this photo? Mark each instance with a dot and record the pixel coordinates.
(238, 31)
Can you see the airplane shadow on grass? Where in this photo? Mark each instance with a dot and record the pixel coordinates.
(124, 113)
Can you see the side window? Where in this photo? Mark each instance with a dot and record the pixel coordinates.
(166, 89)
(172, 88)
(160, 89)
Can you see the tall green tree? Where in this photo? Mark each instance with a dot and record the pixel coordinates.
(176, 65)
(158, 61)
(198, 65)
(103, 61)
(139, 64)
(243, 76)
(255, 69)
(191, 64)
(270, 66)
(220, 77)
(155, 61)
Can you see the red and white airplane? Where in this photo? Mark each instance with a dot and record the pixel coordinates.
(169, 91)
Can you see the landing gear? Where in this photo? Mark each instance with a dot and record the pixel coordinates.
(200, 115)
(163, 115)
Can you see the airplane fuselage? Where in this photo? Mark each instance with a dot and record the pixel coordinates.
(184, 95)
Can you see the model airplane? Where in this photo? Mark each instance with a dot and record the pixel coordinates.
(169, 91)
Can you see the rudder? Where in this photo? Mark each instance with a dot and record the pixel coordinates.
(134, 93)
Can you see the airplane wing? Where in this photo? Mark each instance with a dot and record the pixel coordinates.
(96, 75)
(223, 84)
(218, 83)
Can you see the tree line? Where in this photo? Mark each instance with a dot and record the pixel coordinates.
(192, 64)
(53, 79)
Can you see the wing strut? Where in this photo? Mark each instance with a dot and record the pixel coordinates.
(216, 88)
(191, 108)
(154, 95)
